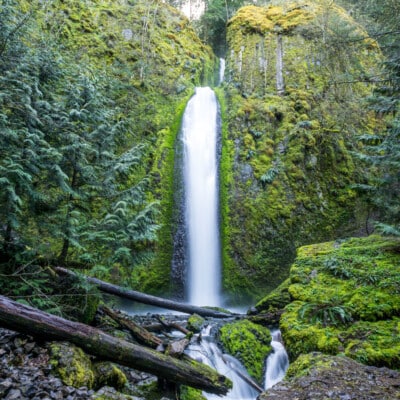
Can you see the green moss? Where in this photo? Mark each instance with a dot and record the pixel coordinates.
(252, 19)
(335, 282)
(248, 342)
(71, 364)
(188, 393)
(276, 300)
(108, 374)
(290, 165)
(305, 363)
(195, 323)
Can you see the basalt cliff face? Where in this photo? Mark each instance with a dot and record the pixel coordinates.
(296, 77)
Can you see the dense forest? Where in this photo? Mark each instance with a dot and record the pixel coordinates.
(92, 95)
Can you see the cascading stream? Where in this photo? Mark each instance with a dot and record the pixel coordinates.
(277, 361)
(200, 164)
(209, 353)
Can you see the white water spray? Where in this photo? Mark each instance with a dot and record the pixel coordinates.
(200, 137)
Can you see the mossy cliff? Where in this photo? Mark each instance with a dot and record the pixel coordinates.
(296, 77)
(344, 299)
(152, 60)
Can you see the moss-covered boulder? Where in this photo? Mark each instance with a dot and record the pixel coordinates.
(108, 374)
(71, 364)
(318, 376)
(249, 343)
(346, 300)
(294, 95)
(276, 300)
(195, 323)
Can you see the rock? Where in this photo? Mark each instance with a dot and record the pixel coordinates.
(249, 342)
(71, 364)
(195, 323)
(108, 374)
(14, 394)
(318, 376)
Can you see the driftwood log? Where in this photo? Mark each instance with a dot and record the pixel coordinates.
(37, 323)
(148, 299)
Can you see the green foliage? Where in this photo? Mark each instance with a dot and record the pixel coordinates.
(326, 313)
(212, 24)
(83, 100)
(381, 157)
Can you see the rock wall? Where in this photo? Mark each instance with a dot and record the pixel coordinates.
(296, 79)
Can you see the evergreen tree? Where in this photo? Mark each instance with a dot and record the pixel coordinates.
(213, 22)
(384, 25)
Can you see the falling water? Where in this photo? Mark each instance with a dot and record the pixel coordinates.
(221, 70)
(200, 138)
(207, 352)
(277, 361)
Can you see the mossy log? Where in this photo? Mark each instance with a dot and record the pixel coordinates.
(39, 324)
(148, 299)
(141, 334)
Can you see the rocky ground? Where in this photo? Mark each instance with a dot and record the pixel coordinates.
(38, 370)
(26, 372)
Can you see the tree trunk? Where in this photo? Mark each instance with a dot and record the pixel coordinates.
(148, 299)
(280, 83)
(37, 323)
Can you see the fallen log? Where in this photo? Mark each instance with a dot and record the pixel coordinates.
(173, 325)
(142, 335)
(42, 325)
(148, 299)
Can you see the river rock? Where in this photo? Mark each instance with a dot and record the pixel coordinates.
(317, 376)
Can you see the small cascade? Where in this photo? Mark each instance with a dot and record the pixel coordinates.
(200, 165)
(277, 361)
(221, 70)
(206, 351)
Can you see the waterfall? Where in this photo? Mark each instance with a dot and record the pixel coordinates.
(200, 138)
(221, 70)
(200, 165)
(277, 361)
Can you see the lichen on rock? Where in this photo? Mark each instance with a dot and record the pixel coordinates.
(71, 364)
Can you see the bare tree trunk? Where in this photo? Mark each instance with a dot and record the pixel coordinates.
(280, 84)
(148, 299)
(37, 323)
